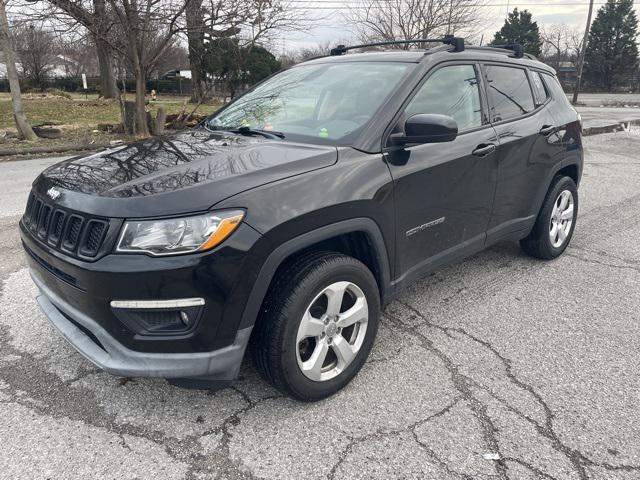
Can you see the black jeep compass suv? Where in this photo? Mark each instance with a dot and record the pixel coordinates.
(284, 221)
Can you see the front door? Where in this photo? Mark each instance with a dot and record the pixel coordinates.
(444, 191)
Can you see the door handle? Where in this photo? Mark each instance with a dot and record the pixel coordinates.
(547, 130)
(484, 149)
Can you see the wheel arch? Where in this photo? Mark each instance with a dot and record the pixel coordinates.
(570, 167)
(358, 237)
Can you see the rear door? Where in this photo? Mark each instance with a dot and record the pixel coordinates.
(528, 145)
(444, 191)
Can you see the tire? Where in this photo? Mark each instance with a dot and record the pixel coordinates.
(555, 225)
(297, 324)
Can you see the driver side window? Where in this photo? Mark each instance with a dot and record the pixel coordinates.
(451, 91)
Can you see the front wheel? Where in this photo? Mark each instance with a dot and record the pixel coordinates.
(318, 326)
(556, 221)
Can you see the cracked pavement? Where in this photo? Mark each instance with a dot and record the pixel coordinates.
(498, 367)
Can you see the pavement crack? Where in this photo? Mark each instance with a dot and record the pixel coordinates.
(354, 441)
(123, 442)
(530, 467)
(227, 467)
(462, 383)
(605, 264)
(604, 253)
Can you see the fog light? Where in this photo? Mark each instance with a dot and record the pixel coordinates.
(159, 317)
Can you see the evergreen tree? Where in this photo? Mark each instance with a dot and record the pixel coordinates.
(519, 28)
(612, 52)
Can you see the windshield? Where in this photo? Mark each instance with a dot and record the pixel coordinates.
(322, 103)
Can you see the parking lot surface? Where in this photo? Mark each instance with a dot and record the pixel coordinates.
(499, 367)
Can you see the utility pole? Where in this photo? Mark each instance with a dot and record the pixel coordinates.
(449, 32)
(583, 53)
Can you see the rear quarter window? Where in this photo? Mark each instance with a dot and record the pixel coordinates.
(510, 94)
(553, 85)
(540, 91)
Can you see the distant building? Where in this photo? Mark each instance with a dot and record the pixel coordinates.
(171, 74)
(567, 74)
(60, 67)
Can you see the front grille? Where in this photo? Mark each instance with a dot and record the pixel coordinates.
(73, 233)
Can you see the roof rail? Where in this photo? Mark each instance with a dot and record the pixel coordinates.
(456, 42)
(516, 48)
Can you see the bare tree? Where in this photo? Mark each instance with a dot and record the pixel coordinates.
(244, 22)
(554, 45)
(79, 53)
(561, 44)
(389, 20)
(175, 57)
(36, 49)
(138, 31)
(24, 129)
(71, 16)
(149, 27)
(290, 58)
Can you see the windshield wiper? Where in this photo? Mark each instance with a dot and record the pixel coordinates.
(248, 131)
(257, 131)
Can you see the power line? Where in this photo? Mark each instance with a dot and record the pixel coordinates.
(480, 5)
(338, 5)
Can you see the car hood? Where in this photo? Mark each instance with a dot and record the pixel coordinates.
(185, 172)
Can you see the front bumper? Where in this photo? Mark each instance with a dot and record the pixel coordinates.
(100, 348)
(76, 295)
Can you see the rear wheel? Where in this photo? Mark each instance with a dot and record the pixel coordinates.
(556, 221)
(318, 326)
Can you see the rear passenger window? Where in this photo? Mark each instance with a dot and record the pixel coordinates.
(539, 90)
(451, 91)
(509, 92)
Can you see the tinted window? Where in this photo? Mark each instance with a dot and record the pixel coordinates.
(555, 88)
(539, 89)
(509, 92)
(451, 91)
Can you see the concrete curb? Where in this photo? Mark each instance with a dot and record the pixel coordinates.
(614, 127)
(7, 155)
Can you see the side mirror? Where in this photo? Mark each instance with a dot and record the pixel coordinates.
(427, 128)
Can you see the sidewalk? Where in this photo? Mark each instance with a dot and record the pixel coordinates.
(596, 120)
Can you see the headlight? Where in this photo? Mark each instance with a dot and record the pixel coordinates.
(173, 236)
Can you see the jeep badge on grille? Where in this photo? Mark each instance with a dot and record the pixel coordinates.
(53, 193)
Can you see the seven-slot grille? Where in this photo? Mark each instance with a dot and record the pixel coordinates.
(69, 232)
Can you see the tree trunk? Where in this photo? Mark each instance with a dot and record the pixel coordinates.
(141, 113)
(194, 17)
(129, 117)
(24, 129)
(108, 86)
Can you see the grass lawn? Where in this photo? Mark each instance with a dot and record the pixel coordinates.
(78, 117)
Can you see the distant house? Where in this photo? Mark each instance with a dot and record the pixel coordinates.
(567, 74)
(60, 67)
(171, 74)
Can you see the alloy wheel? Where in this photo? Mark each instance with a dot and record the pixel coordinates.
(332, 331)
(561, 219)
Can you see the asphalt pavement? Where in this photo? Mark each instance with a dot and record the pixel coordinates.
(498, 367)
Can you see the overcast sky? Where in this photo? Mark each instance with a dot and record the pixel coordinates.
(334, 28)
